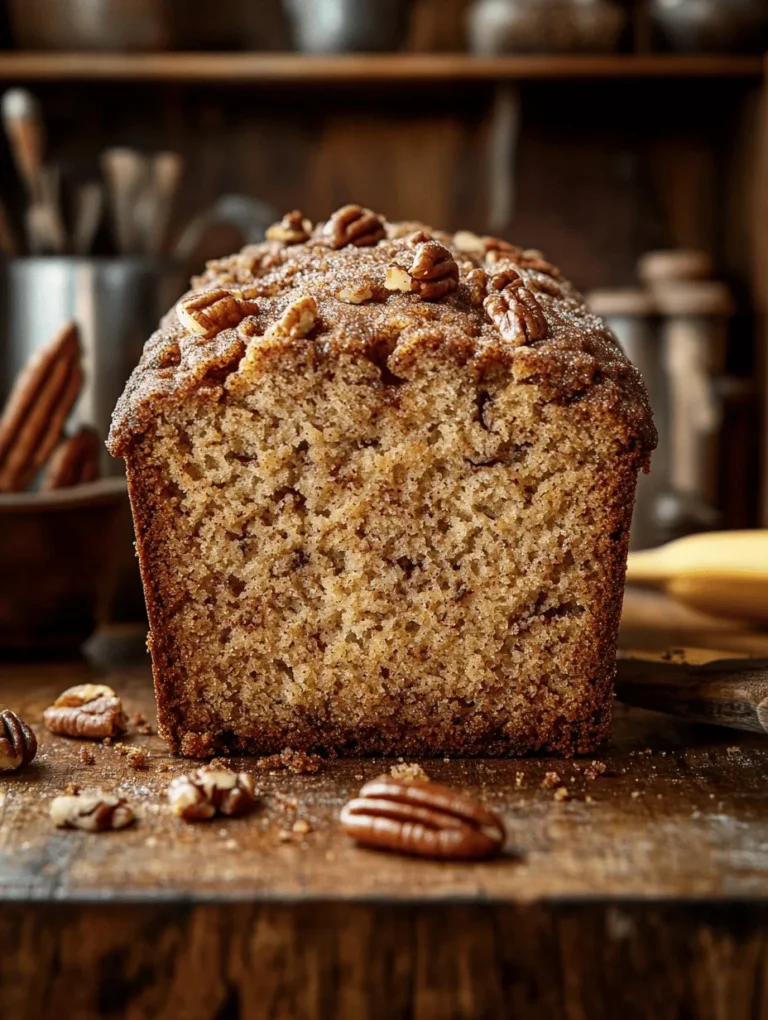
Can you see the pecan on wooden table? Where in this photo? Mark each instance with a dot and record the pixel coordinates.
(205, 793)
(90, 711)
(18, 743)
(424, 819)
(91, 810)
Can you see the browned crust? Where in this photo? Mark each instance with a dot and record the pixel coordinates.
(573, 357)
(570, 735)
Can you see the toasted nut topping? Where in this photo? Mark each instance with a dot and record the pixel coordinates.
(18, 743)
(514, 309)
(525, 259)
(422, 818)
(476, 284)
(212, 311)
(88, 711)
(293, 228)
(298, 319)
(357, 295)
(200, 795)
(397, 230)
(92, 810)
(429, 270)
(465, 240)
(353, 225)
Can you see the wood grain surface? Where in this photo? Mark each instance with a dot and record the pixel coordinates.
(293, 67)
(644, 893)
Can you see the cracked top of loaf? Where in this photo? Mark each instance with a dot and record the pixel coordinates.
(392, 291)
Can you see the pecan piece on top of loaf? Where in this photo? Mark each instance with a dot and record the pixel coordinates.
(514, 308)
(424, 819)
(426, 268)
(212, 311)
(18, 743)
(87, 711)
(293, 228)
(352, 224)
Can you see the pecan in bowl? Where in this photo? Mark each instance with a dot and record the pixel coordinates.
(423, 819)
(87, 711)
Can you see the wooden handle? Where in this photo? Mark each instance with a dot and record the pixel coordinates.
(727, 692)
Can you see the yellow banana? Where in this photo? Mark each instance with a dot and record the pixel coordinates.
(724, 573)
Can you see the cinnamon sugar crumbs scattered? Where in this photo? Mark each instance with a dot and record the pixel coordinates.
(519, 779)
(561, 793)
(550, 781)
(408, 772)
(594, 770)
(301, 826)
(86, 755)
(137, 757)
(297, 762)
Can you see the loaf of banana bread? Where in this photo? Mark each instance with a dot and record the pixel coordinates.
(382, 480)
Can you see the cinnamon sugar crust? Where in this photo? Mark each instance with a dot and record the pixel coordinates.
(579, 359)
(387, 511)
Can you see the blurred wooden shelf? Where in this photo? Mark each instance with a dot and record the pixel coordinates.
(298, 68)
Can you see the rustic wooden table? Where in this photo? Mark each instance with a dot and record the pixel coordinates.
(644, 894)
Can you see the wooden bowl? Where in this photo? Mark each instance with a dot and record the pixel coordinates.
(59, 552)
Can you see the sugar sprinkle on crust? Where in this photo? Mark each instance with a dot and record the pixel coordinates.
(242, 302)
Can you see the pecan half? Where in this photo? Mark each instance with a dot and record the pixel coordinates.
(200, 795)
(88, 711)
(92, 810)
(514, 309)
(293, 228)
(37, 409)
(75, 461)
(18, 743)
(429, 270)
(298, 319)
(212, 311)
(528, 258)
(352, 224)
(476, 286)
(424, 819)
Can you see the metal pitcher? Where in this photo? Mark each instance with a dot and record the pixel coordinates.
(116, 302)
